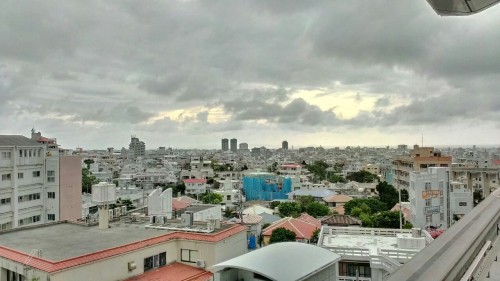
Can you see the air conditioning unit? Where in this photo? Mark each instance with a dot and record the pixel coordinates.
(152, 220)
(118, 212)
(186, 220)
(110, 213)
(124, 210)
(200, 263)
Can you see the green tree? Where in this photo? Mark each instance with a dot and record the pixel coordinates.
(386, 219)
(274, 204)
(318, 169)
(264, 226)
(374, 204)
(304, 202)
(317, 209)
(405, 197)
(88, 180)
(335, 178)
(115, 182)
(211, 198)
(116, 175)
(362, 176)
(387, 194)
(290, 209)
(282, 234)
(88, 162)
(273, 168)
(314, 237)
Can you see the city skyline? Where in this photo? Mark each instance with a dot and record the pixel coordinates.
(186, 74)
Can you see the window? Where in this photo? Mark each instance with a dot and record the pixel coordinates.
(427, 202)
(51, 217)
(51, 176)
(20, 175)
(354, 269)
(155, 261)
(6, 177)
(228, 197)
(428, 219)
(441, 217)
(36, 174)
(4, 201)
(29, 220)
(20, 153)
(29, 197)
(51, 195)
(427, 186)
(189, 255)
(5, 226)
(6, 155)
(462, 203)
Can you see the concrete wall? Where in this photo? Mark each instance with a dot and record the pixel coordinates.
(70, 187)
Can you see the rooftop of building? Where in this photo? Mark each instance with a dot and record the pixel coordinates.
(294, 261)
(174, 272)
(17, 140)
(66, 244)
(371, 239)
(200, 207)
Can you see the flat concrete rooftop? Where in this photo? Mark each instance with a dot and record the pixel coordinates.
(61, 241)
(360, 241)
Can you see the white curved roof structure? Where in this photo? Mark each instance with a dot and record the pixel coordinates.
(283, 261)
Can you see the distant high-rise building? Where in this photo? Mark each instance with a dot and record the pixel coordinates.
(225, 144)
(243, 146)
(234, 145)
(137, 147)
(284, 145)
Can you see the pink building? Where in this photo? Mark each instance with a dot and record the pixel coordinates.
(70, 187)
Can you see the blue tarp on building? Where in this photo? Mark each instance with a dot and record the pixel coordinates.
(266, 187)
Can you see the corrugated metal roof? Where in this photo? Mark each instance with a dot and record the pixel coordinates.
(17, 140)
(292, 261)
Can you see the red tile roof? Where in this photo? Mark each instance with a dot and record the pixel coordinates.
(338, 198)
(53, 266)
(310, 219)
(302, 229)
(174, 272)
(178, 205)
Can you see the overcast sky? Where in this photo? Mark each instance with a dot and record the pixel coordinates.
(187, 73)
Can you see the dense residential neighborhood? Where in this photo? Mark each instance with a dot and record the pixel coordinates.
(333, 199)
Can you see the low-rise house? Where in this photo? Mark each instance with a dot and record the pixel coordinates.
(303, 227)
(195, 186)
(340, 220)
(317, 194)
(337, 200)
(257, 209)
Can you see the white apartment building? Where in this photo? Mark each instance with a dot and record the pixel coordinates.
(434, 202)
(195, 186)
(428, 195)
(23, 181)
(37, 184)
(371, 254)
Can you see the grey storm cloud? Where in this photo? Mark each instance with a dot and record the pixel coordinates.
(122, 63)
